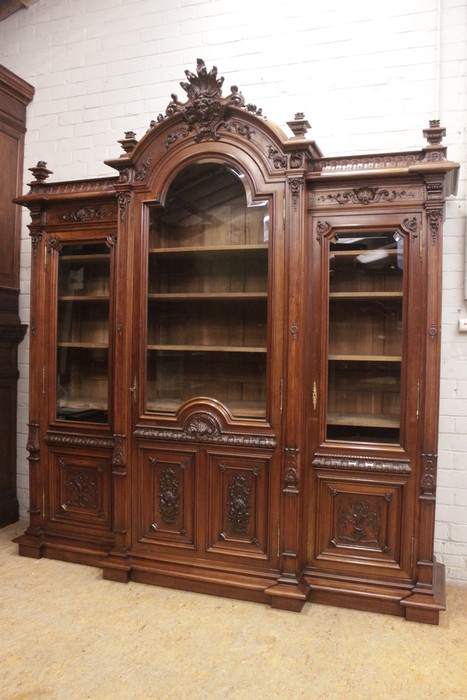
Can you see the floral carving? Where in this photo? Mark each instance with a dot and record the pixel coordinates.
(141, 171)
(428, 483)
(291, 478)
(123, 199)
(358, 523)
(169, 497)
(81, 490)
(296, 186)
(119, 453)
(434, 217)
(278, 159)
(366, 195)
(33, 445)
(239, 494)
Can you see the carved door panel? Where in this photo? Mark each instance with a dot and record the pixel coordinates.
(239, 518)
(167, 495)
(80, 494)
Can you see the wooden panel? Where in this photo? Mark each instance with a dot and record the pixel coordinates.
(167, 496)
(238, 506)
(359, 522)
(9, 233)
(80, 490)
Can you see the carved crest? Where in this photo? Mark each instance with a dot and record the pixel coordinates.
(204, 111)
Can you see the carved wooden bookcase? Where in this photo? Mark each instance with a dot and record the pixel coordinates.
(234, 360)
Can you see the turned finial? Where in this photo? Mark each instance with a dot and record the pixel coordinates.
(40, 172)
(129, 142)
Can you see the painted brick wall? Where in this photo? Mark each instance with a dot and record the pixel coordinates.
(368, 76)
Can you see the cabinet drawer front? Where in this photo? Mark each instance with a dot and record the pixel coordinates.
(359, 523)
(238, 500)
(168, 496)
(81, 490)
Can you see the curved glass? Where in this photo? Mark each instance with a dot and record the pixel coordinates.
(208, 294)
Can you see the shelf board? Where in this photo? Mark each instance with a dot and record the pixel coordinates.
(366, 295)
(188, 250)
(363, 420)
(353, 252)
(190, 296)
(210, 348)
(365, 358)
(83, 297)
(83, 403)
(91, 346)
(244, 409)
(89, 257)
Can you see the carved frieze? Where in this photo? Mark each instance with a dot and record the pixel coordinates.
(104, 185)
(399, 160)
(366, 196)
(85, 214)
(80, 440)
(199, 433)
(363, 464)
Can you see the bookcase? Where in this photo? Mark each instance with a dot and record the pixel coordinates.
(235, 362)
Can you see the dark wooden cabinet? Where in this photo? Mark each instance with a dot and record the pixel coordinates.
(15, 95)
(235, 362)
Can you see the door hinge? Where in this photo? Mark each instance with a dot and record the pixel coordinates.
(278, 542)
(133, 388)
(412, 548)
(43, 380)
(417, 413)
(420, 241)
(282, 394)
(43, 503)
(315, 396)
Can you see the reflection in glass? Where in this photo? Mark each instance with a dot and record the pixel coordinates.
(208, 294)
(83, 333)
(365, 336)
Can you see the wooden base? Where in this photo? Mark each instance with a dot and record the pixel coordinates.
(286, 596)
(425, 605)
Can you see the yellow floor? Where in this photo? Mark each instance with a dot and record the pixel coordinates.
(67, 633)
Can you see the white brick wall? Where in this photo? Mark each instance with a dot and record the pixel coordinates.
(364, 72)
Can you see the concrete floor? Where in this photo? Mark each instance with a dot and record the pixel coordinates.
(66, 633)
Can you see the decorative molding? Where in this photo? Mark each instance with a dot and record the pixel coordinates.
(291, 476)
(85, 214)
(362, 464)
(366, 196)
(79, 186)
(80, 440)
(203, 435)
(428, 481)
(398, 160)
(239, 495)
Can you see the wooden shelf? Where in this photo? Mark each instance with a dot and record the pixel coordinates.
(224, 296)
(365, 358)
(83, 403)
(88, 257)
(188, 250)
(247, 409)
(91, 346)
(366, 295)
(363, 420)
(353, 252)
(83, 297)
(209, 348)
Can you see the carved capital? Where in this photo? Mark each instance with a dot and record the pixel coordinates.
(296, 187)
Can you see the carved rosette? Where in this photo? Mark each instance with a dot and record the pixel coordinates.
(169, 497)
(428, 482)
(291, 475)
(239, 495)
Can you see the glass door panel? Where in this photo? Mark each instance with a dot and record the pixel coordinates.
(208, 294)
(83, 333)
(366, 289)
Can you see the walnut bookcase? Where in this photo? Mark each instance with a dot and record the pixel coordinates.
(234, 357)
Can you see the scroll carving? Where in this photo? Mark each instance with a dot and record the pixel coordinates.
(123, 200)
(239, 495)
(85, 214)
(278, 159)
(322, 227)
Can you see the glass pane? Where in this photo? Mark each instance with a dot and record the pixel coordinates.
(365, 336)
(208, 294)
(83, 333)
